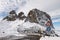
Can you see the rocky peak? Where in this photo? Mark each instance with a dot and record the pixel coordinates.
(21, 16)
(41, 18)
(12, 16)
(38, 16)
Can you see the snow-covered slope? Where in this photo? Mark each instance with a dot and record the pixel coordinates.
(10, 27)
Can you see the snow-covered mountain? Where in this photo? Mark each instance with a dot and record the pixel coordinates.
(27, 26)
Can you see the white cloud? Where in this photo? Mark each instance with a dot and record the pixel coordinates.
(56, 20)
(44, 5)
(54, 13)
(8, 5)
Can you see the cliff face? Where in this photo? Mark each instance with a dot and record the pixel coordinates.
(21, 16)
(12, 16)
(40, 17)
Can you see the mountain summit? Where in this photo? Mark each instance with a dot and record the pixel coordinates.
(35, 25)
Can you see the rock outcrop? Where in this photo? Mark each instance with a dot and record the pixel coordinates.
(42, 18)
(12, 16)
(21, 16)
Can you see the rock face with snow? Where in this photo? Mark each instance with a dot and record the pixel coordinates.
(21, 16)
(41, 18)
(35, 25)
(37, 16)
(12, 16)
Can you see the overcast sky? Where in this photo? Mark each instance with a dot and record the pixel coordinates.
(50, 6)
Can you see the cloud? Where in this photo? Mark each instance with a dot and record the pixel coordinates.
(48, 6)
(7, 5)
(54, 13)
(58, 20)
(11, 4)
(44, 5)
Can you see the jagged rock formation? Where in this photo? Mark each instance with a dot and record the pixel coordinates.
(21, 16)
(40, 17)
(32, 29)
(12, 16)
(32, 17)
